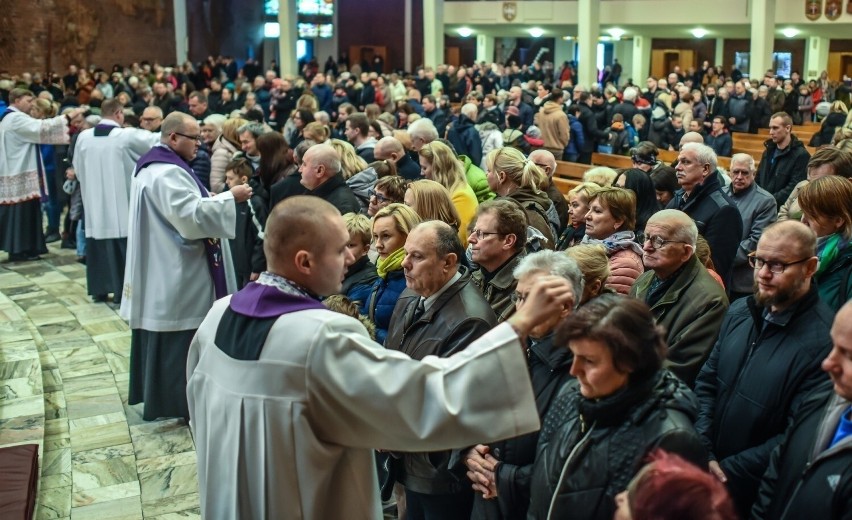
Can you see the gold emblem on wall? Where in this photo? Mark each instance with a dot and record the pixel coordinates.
(510, 11)
(833, 9)
(813, 9)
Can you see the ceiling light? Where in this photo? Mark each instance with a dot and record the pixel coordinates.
(699, 32)
(567, 38)
(271, 30)
(790, 32)
(605, 38)
(616, 33)
(536, 32)
(464, 32)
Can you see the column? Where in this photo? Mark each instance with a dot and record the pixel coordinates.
(484, 48)
(641, 67)
(181, 32)
(762, 37)
(287, 37)
(563, 50)
(433, 32)
(407, 20)
(720, 53)
(623, 52)
(816, 57)
(589, 25)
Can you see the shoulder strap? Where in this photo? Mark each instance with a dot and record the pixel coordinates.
(5, 113)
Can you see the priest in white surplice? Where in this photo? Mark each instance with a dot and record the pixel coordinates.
(104, 160)
(177, 265)
(22, 173)
(288, 399)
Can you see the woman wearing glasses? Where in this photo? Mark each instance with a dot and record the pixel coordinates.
(610, 222)
(439, 163)
(825, 204)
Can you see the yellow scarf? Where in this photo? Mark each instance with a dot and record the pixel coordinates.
(393, 262)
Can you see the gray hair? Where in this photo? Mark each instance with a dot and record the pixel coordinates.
(255, 129)
(469, 110)
(744, 158)
(682, 226)
(423, 128)
(555, 263)
(216, 120)
(703, 154)
(630, 94)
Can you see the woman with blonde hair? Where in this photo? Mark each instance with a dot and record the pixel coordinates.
(432, 201)
(350, 162)
(578, 206)
(594, 264)
(512, 175)
(391, 226)
(224, 148)
(610, 222)
(439, 163)
(837, 118)
(316, 131)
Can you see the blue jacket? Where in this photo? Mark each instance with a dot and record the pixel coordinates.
(383, 297)
(465, 139)
(324, 94)
(575, 144)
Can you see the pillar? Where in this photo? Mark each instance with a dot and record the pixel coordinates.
(719, 59)
(762, 37)
(589, 26)
(408, 30)
(433, 32)
(484, 48)
(623, 52)
(181, 32)
(563, 50)
(641, 65)
(816, 57)
(287, 38)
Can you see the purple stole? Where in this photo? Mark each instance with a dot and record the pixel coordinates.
(265, 301)
(212, 246)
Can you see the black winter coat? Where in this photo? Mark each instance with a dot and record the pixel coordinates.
(247, 246)
(588, 451)
(336, 192)
(718, 220)
(592, 134)
(780, 171)
(753, 383)
(465, 139)
(549, 367)
(805, 479)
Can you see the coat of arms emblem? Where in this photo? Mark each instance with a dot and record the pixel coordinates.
(510, 11)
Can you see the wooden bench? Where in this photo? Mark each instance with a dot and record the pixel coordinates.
(565, 185)
(615, 162)
(571, 170)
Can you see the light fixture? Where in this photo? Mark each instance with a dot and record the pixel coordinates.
(464, 32)
(271, 30)
(536, 32)
(616, 33)
(698, 32)
(790, 32)
(605, 38)
(567, 38)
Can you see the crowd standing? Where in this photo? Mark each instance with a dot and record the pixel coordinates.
(490, 346)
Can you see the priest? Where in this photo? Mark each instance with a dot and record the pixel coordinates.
(104, 160)
(288, 399)
(177, 264)
(22, 178)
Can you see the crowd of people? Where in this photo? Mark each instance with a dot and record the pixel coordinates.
(369, 286)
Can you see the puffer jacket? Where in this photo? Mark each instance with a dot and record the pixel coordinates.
(625, 267)
(379, 306)
(359, 281)
(553, 123)
(465, 139)
(476, 179)
(835, 283)
(223, 152)
(536, 205)
(589, 450)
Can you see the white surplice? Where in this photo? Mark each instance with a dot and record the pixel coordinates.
(104, 165)
(290, 436)
(20, 156)
(167, 283)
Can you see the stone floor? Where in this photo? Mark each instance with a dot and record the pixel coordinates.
(63, 385)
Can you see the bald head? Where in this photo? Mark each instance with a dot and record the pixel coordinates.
(320, 163)
(545, 160)
(691, 137)
(300, 230)
(388, 148)
(799, 238)
(680, 225)
(175, 122)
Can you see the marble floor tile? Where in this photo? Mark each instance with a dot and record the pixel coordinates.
(55, 481)
(56, 462)
(46, 314)
(32, 405)
(21, 429)
(88, 385)
(27, 368)
(167, 443)
(96, 420)
(56, 442)
(121, 509)
(86, 439)
(105, 494)
(102, 454)
(91, 312)
(19, 387)
(62, 331)
(56, 427)
(49, 277)
(52, 380)
(189, 514)
(165, 461)
(54, 405)
(100, 328)
(89, 406)
(64, 288)
(46, 358)
(14, 331)
(81, 341)
(175, 504)
(103, 473)
(166, 425)
(79, 362)
(9, 280)
(169, 482)
(54, 503)
(18, 351)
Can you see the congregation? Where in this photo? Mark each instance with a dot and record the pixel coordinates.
(385, 288)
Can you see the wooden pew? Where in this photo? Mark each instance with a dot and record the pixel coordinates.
(565, 185)
(570, 170)
(612, 161)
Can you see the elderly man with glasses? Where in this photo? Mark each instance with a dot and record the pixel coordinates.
(682, 295)
(765, 362)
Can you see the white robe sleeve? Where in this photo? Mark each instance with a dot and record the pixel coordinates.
(193, 216)
(362, 395)
(40, 131)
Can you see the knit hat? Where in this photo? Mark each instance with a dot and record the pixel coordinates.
(512, 110)
(533, 136)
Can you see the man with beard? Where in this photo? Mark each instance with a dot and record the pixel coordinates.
(765, 362)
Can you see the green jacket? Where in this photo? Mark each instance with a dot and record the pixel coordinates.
(691, 310)
(499, 289)
(477, 180)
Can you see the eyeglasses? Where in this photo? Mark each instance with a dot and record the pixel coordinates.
(658, 242)
(381, 199)
(518, 297)
(775, 267)
(479, 234)
(196, 138)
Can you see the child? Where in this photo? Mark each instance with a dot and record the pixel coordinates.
(247, 246)
(361, 275)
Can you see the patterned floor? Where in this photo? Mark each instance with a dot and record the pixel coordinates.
(63, 384)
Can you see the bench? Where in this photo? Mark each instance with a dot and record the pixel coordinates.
(616, 162)
(571, 170)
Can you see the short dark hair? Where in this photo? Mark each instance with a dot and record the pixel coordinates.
(17, 93)
(840, 160)
(511, 218)
(199, 96)
(627, 328)
(447, 241)
(359, 120)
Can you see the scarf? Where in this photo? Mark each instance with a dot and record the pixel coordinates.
(828, 247)
(393, 262)
(616, 242)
